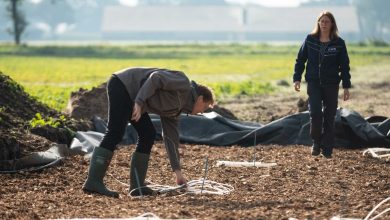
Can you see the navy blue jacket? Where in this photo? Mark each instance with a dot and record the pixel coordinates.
(326, 69)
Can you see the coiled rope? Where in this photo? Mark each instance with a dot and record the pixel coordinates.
(378, 152)
(375, 208)
(199, 186)
(150, 216)
(145, 216)
(370, 213)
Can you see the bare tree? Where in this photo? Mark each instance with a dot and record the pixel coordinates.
(18, 20)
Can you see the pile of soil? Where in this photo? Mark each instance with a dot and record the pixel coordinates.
(17, 136)
(84, 104)
(300, 186)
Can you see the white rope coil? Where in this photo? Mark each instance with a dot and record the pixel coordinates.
(148, 215)
(145, 216)
(209, 187)
(151, 216)
(377, 152)
(375, 208)
(199, 186)
(244, 164)
(370, 213)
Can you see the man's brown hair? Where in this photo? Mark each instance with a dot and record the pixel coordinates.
(207, 93)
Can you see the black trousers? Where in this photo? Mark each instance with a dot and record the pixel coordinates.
(323, 101)
(120, 108)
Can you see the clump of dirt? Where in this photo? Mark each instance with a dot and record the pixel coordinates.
(17, 136)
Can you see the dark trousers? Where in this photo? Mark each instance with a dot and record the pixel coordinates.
(120, 108)
(323, 102)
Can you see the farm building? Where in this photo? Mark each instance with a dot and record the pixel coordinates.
(220, 23)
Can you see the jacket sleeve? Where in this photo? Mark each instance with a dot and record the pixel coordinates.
(300, 62)
(171, 140)
(161, 80)
(344, 66)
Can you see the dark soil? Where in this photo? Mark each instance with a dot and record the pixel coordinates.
(17, 109)
(300, 186)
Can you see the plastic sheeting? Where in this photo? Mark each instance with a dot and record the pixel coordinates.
(351, 130)
(36, 161)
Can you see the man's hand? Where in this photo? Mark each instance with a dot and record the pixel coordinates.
(297, 86)
(136, 112)
(346, 94)
(180, 180)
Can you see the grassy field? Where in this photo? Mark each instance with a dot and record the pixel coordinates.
(51, 73)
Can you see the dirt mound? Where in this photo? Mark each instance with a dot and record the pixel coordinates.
(265, 108)
(17, 106)
(27, 125)
(84, 104)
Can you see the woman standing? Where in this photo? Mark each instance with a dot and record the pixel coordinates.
(327, 64)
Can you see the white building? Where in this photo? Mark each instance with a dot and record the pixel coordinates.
(220, 23)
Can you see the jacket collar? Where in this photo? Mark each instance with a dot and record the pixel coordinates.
(317, 38)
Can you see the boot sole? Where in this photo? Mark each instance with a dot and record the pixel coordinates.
(88, 191)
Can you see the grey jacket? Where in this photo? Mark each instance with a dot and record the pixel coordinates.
(166, 93)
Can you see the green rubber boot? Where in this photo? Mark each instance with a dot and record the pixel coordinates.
(100, 161)
(327, 152)
(138, 169)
